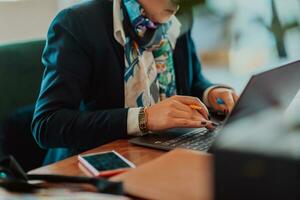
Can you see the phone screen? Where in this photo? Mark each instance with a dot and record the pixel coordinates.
(106, 161)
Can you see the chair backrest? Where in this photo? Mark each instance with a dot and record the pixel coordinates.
(20, 75)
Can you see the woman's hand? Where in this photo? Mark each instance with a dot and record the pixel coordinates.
(222, 99)
(176, 112)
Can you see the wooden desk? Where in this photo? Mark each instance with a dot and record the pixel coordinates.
(137, 155)
(200, 184)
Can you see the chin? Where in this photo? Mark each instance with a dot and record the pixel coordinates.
(162, 19)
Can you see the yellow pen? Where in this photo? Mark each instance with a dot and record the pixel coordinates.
(196, 107)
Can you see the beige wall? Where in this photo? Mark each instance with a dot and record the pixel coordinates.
(28, 19)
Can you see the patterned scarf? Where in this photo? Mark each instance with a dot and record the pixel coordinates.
(149, 70)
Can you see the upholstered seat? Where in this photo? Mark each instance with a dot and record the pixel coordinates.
(20, 77)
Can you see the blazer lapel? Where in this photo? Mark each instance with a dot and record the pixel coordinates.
(179, 57)
(110, 32)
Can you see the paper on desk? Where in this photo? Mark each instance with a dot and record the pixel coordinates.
(58, 195)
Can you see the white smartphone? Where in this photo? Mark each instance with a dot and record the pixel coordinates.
(104, 164)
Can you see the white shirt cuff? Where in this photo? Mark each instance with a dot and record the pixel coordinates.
(133, 122)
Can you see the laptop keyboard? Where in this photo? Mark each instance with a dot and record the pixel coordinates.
(199, 140)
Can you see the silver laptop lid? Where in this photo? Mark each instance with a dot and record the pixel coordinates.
(272, 88)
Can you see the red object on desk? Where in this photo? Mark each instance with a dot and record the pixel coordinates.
(104, 174)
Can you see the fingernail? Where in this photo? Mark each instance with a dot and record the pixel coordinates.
(203, 123)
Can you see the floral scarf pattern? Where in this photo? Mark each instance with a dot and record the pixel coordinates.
(149, 71)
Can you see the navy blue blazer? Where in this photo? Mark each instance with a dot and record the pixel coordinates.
(81, 101)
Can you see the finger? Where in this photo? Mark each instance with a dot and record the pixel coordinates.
(235, 97)
(218, 107)
(200, 110)
(184, 123)
(210, 126)
(189, 109)
(190, 115)
(187, 100)
(228, 100)
(198, 116)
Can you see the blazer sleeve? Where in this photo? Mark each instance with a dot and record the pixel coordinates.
(200, 83)
(58, 121)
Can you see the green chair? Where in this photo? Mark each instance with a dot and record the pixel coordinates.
(20, 78)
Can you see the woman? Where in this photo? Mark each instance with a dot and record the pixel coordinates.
(119, 68)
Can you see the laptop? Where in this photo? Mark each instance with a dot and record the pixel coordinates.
(272, 88)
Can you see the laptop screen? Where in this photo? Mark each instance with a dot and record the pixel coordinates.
(273, 88)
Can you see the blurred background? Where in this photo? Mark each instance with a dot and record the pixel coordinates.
(243, 37)
(234, 38)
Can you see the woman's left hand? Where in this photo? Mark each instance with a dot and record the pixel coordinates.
(222, 99)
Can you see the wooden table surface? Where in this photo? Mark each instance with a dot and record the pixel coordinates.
(201, 180)
(137, 155)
